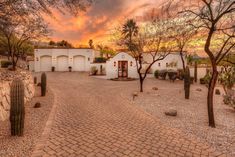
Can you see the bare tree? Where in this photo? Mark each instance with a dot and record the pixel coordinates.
(146, 40)
(182, 33)
(215, 22)
(18, 28)
(72, 6)
(22, 21)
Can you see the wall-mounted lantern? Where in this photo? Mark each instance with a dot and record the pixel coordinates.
(131, 63)
(114, 64)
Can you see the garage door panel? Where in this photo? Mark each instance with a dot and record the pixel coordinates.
(79, 63)
(62, 63)
(45, 63)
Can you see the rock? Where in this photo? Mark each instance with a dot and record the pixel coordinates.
(135, 94)
(171, 112)
(37, 105)
(217, 92)
(199, 89)
(155, 88)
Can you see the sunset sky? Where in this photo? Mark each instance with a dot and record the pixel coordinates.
(97, 22)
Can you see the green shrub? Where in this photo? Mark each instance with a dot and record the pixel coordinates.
(94, 70)
(206, 79)
(180, 74)
(5, 64)
(162, 74)
(229, 100)
(172, 74)
(156, 73)
(100, 60)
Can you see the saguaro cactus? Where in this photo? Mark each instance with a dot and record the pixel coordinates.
(195, 71)
(187, 83)
(17, 110)
(43, 84)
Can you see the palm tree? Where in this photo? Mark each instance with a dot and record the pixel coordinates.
(91, 44)
(130, 29)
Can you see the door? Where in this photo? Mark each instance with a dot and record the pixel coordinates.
(45, 63)
(123, 69)
(62, 63)
(79, 63)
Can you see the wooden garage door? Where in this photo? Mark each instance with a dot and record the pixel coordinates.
(62, 63)
(45, 63)
(79, 63)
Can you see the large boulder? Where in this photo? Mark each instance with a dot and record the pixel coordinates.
(171, 112)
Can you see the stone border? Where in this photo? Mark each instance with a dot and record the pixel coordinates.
(40, 144)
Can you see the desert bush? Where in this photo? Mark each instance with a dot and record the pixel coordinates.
(206, 79)
(229, 100)
(180, 74)
(172, 74)
(94, 70)
(227, 78)
(156, 73)
(100, 60)
(162, 74)
(5, 64)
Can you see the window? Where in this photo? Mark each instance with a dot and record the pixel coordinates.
(159, 64)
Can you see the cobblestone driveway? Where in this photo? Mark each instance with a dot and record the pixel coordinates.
(91, 119)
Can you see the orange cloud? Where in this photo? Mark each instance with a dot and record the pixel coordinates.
(97, 21)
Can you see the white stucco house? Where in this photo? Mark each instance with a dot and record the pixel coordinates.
(172, 61)
(122, 65)
(61, 59)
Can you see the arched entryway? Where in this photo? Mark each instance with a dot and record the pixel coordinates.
(79, 63)
(45, 63)
(62, 63)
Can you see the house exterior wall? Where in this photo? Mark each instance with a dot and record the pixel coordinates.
(112, 71)
(160, 65)
(70, 53)
(98, 65)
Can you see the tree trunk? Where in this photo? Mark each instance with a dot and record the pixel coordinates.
(211, 95)
(13, 63)
(195, 72)
(141, 85)
(183, 62)
(13, 66)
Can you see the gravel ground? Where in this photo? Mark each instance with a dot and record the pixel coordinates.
(35, 120)
(192, 114)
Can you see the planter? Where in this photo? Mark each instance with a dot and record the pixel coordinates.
(52, 69)
(70, 69)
